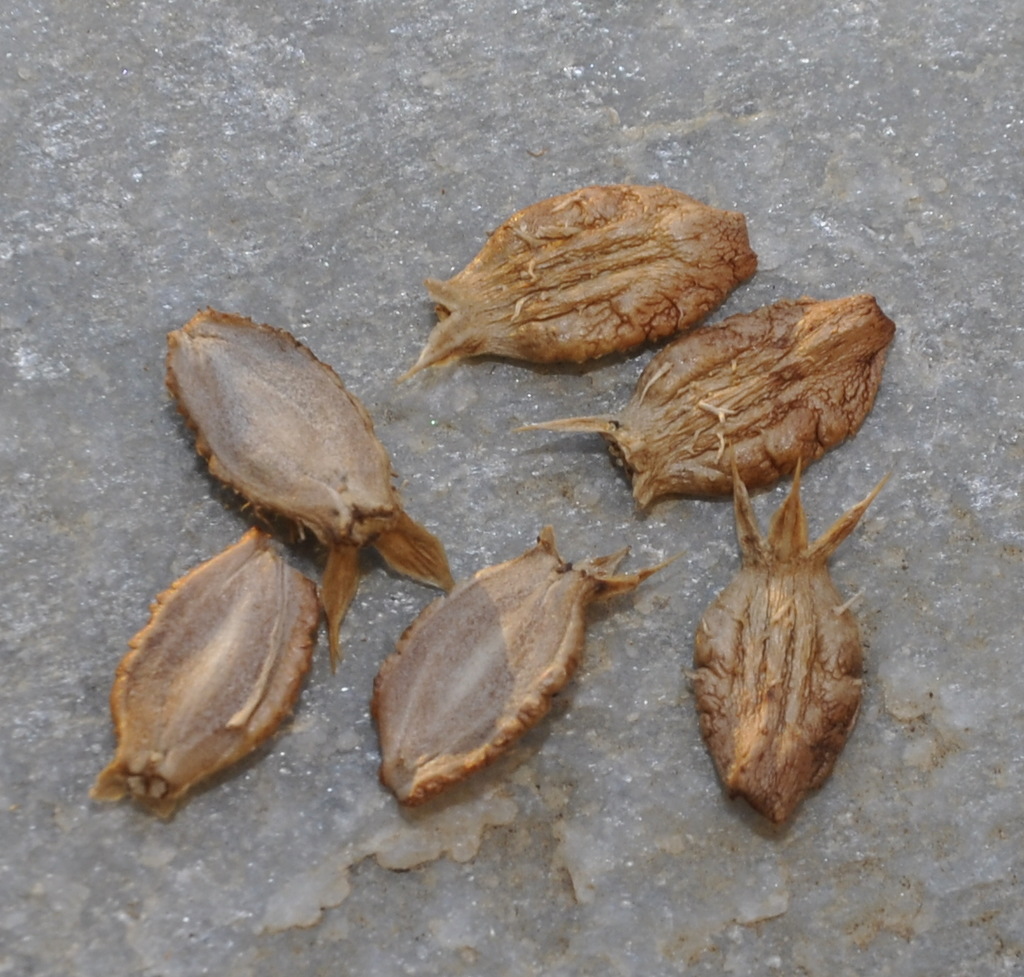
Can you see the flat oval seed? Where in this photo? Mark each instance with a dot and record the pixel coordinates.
(778, 660)
(592, 272)
(478, 668)
(212, 675)
(279, 427)
(781, 384)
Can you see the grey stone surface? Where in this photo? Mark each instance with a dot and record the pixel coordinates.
(308, 164)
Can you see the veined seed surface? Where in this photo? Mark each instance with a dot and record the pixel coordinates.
(778, 660)
(779, 385)
(588, 273)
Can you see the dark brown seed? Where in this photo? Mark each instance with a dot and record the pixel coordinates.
(778, 660)
(782, 384)
(279, 427)
(212, 675)
(478, 668)
(592, 272)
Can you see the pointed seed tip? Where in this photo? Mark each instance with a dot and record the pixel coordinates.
(596, 424)
(669, 560)
(546, 537)
(422, 362)
(648, 572)
(429, 356)
(333, 642)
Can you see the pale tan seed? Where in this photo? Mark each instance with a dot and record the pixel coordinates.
(478, 668)
(279, 427)
(781, 384)
(778, 660)
(212, 675)
(592, 272)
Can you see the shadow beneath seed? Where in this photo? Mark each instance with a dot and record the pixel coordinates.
(488, 361)
(494, 779)
(757, 823)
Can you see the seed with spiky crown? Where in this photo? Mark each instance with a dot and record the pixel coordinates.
(592, 272)
(781, 384)
(778, 660)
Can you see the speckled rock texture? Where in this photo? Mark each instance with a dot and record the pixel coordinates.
(308, 164)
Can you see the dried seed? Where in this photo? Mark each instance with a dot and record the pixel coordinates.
(212, 675)
(589, 273)
(784, 383)
(279, 427)
(478, 668)
(778, 660)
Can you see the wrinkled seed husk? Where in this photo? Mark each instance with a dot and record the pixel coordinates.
(776, 386)
(778, 660)
(593, 272)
